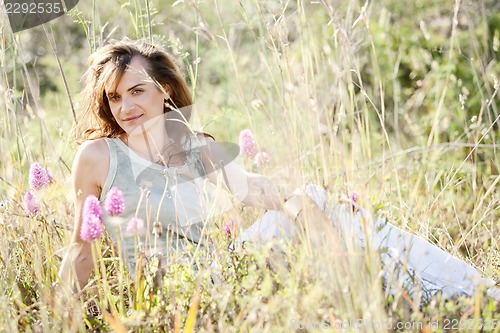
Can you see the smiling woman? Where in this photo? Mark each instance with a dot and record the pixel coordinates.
(121, 70)
(136, 137)
(136, 99)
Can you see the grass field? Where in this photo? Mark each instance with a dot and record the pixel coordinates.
(396, 101)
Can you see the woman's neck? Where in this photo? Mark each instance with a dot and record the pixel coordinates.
(150, 143)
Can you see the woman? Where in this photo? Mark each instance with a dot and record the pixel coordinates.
(136, 101)
(136, 138)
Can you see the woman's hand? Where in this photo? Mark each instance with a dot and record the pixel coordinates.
(293, 205)
(311, 220)
(76, 267)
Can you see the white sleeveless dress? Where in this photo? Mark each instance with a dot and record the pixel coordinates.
(179, 212)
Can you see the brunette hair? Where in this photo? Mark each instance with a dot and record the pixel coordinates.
(107, 65)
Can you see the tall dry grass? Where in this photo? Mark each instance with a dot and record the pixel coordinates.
(310, 79)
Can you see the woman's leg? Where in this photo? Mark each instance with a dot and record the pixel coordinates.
(422, 262)
(274, 223)
(418, 262)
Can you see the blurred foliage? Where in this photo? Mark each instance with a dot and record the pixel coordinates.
(418, 48)
(413, 53)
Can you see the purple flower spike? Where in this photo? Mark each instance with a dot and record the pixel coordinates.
(91, 229)
(261, 159)
(228, 227)
(135, 226)
(38, 177)
(114, 203)
(31, 205)
(91, 219)
(354, 198)
(248, 147)
(92, 207)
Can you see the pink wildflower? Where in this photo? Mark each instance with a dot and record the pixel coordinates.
(248, 147)
(38, 177)
(228, 227)
(92, 206)
(91, 228)
(114, 203)
(354, 198)
(135, 226)
(91, 219)
(261, 159)
(31, 205)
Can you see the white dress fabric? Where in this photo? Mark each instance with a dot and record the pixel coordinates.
(168, 200)
(427, 266)
(171, 199)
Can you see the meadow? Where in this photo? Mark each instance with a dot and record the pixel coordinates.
(396, 101)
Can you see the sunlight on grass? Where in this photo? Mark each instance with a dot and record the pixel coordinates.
(395, 101)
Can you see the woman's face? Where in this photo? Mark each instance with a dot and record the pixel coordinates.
(137, 98)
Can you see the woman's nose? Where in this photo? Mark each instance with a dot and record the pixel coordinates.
(127, 104)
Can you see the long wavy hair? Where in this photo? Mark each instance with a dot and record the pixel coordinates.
(107, 66)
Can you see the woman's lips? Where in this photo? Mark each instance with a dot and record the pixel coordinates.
(132, 118)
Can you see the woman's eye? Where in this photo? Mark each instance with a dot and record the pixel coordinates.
(137, 91)
(113, 98)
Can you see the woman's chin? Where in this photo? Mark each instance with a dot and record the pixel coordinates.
(154, 125)
(135, 126)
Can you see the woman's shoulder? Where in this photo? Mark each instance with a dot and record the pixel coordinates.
(94, 150)
(91, 162)
(92, 155)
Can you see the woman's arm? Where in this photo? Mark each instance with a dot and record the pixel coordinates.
(259, 191)
(249, 188)
(89, 172)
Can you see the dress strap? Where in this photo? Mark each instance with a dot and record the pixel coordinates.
(112, 167)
